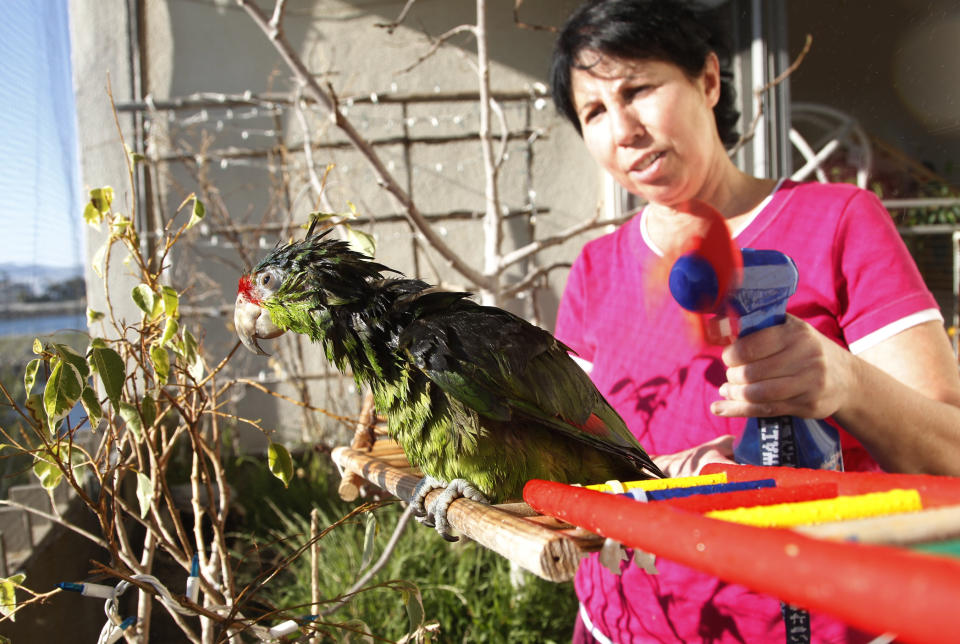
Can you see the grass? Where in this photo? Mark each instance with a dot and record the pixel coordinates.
(465, 588)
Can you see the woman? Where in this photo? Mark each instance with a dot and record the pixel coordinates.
(863, 344)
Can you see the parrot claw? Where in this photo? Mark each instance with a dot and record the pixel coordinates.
(435, 516)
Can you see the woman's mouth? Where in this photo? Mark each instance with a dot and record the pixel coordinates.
(646, 162)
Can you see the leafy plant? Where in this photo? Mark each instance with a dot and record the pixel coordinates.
(120, 417)
(925, 215)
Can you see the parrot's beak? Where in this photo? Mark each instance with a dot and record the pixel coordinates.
(253, 322)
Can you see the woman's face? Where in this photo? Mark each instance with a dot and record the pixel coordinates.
(650, 125)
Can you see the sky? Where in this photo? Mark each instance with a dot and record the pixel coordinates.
(40, 195)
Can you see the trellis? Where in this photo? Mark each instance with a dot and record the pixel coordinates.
(267, 134)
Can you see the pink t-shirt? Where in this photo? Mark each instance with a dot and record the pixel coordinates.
(858, 285)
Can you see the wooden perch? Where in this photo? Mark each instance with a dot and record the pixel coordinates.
(364, 437)
(542, 545)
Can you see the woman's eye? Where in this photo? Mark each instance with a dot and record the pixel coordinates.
(591, 114)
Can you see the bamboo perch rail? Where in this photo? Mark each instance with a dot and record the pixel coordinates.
(834, 567)
(542, 545)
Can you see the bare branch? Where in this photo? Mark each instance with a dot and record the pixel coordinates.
(384, 177)
(56, 519)
(531, 279)
(759, 93)
(257, 385)
(436, 43)
(316, 184)
(525, 25)
(276, 21)
(534, 247)
(492, 219)
(391, 26)
(380, 563)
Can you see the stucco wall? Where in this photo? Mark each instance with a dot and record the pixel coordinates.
(191, 47)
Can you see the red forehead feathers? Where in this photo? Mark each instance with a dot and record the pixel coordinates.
(245, 288)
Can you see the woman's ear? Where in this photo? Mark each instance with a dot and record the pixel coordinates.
(710, 79)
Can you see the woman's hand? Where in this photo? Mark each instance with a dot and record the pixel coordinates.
(689, 462)
(787, 370)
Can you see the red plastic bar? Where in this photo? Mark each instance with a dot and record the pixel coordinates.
(874, 588)
(934, 490)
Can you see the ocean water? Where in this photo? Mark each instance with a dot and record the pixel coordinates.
(44, 324)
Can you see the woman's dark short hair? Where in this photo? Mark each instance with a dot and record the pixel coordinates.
(666, 30)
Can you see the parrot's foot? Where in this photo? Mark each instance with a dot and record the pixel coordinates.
(435, 516)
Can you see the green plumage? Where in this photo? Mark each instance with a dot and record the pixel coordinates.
(469, 391)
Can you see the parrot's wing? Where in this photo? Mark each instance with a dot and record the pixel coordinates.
(505, 368)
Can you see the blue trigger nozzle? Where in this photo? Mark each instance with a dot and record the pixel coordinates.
(694, 284)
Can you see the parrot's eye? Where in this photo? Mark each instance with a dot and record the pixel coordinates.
(269, 280)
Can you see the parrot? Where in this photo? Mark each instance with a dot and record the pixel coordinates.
(479, 399)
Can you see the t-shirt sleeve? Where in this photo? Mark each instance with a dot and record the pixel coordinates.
(571, 314)
(878, 282)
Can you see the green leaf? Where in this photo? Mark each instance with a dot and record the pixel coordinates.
(145, 299)
(108, 364)
(101, 199)
(197, 213)
(45, 468)
(91, 215)
(37, 346)
(171, 301)
(169, 331)
(413, 602)
(191, 356)
(369, 539)
(62, 391)
(131, 417)
(35, 407)
(99, 261)
(93, 316)
(135, 157)
(92, 406)
(281, 465)
(8, 594)
(119, 226)
(144, 493)
(68, 354)
(98, 205)
(320, 217)
(30, 375)
(190, 345)
(161, 363)
(148, 411)
(361, 241)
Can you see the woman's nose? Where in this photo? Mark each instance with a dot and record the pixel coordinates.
(625, 127)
